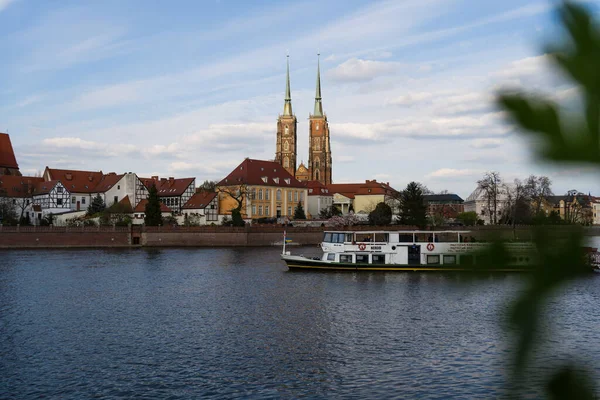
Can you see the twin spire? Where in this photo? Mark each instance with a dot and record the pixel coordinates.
(287, 107)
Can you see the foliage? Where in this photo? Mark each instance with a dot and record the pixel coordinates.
(572, 139)
(207, 186)
(413, 210)
(96, 206)
(540, 189)
(226, 221)
(328, 212)
(169, 220)
(437, 219)
(236, 218)
(153, 216)
(381, 215)
(468, 218)
(47, 220)
(299, 212)
(343, 220)
(191, 220)
(8, 215)
(491, 186)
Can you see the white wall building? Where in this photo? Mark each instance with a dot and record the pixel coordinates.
(478, 202)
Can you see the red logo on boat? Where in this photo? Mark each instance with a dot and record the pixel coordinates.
(430, 247)
(362, 246)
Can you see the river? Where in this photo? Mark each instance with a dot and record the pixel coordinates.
(234, 323)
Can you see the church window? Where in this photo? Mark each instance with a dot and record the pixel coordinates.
(287, 130)
(317, 175)
(286, 161)
(286, 146)
(317, 164)
(278, 195)
(317, 144)
(317, 127)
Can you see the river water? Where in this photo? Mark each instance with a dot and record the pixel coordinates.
(234, 323)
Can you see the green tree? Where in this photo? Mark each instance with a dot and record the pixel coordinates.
(329, 212)
(468, 218)
(299, 212)
(381, 215)
(153, 216)
(236, 218)
(96, 206)
(207, 186)
(413, 210)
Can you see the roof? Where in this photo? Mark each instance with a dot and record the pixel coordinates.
(7, 154)
(199, 200)
(316, 188)
(168, 187)
(367, 188)
(75, 181)
(45, 187)
(260, 172)
(442, 198)
(18, 186)
(141, 207)
(123, 206)
(108, 181)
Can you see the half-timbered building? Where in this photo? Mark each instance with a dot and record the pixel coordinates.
(52, 196)
(204, 205)
(174, 193)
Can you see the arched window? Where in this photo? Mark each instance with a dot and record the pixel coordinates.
(286, 161)
(317, 164)
(287, 130)
(286, 146)
(317, 144)
(317, 127)
(317, 175)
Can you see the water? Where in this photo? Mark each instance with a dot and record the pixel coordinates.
(233, 323)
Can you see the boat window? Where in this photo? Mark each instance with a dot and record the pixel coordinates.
(378, 259)
(348, 238)
(337, 237)
(327, 237)
(405, 238)
(362, 258)
(433, 259)
(346, 258)
(364, 237)
(330, 256)
(449, 259)
(424, 237)
(382, 237)
(446, 237)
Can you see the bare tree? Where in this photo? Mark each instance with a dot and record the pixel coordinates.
(491, 185)
(539, 188)
(238, 193)
(518, 198)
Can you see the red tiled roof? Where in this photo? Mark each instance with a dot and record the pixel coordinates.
(368, 188)
(256, 172)
(75, 181)
(316, 188)
(141, 207)
(168, 187)
(7, 154)
(199, 200)
(107, 181)
(18, 186)
(44, 187)
(37, 207)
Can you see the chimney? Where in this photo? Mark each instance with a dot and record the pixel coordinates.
(163, 179)
(155, 178)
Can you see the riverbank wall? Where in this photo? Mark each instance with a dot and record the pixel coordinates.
(216, 236)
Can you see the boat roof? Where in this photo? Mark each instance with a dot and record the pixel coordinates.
(407, 232)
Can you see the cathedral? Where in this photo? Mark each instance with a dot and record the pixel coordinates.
(319, 151)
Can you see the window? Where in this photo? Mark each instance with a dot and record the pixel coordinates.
(260, 210)
(346, 258)
(253, 209)
(118, 187)
(289, 210)
(267, 194)
(73, 200)
(260, 194)
(330, 256)
(267, 211)
(59, 189)
(433, 259)
(449, 259)
(287, 130)
(27, 202)
(362, 258)
(286, 146)
(327, 237)
(286, 162)
(289, 196)
(278, 195)
(378, 259)
(116, 199)
(296, 196)
(83, 200)
(317, 127)
(59, 202)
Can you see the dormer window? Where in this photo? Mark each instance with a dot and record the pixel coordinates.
(310, 190)
(287, 180)
(276, 180)
(264, 179)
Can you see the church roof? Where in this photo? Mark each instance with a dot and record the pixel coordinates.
(262, 173)
(7, 154)
(18, 186)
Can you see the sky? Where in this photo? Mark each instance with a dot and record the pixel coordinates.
(190, 88)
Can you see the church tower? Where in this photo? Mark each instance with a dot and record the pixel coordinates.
(286, 152)
(319, 152)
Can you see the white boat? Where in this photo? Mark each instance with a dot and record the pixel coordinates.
(410, 251)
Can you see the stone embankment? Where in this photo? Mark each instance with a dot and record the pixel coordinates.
(213, 236)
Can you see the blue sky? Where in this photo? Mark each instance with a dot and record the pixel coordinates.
(190, 88)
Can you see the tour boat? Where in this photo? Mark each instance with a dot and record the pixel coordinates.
(411, 251)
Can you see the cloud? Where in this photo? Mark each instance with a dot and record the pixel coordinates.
(487, 143)
(232, 137)
(445, 101)
(450, 173)
(344, 159)
(4, 4)
(84, 147)
(358, 70)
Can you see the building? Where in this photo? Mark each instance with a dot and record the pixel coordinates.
(80, 184)
(204, 206)
(52, 197)
(318, 199)
(574, 207)
(16, 193)
(139, 212)
(286, 150)
(8, 161)
(264, 188)
(447, 205)
(483, 205)
(319, 150)
(115, 187)
(362, 198)
(174, 193)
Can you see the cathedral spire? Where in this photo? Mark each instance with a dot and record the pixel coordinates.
(287, 107)
(318, 106)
